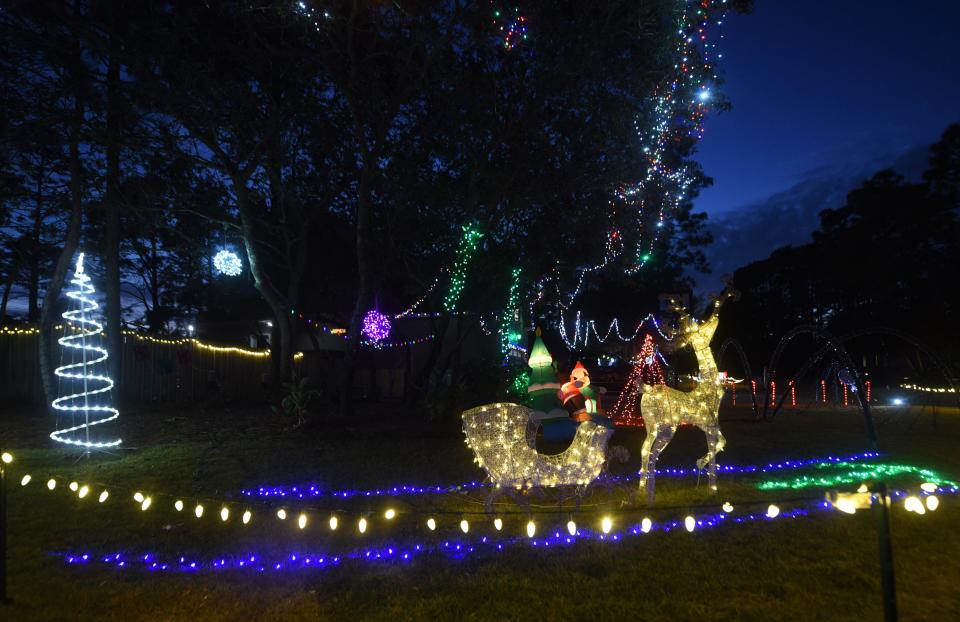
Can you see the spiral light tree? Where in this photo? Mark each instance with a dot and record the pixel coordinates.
(88, 390)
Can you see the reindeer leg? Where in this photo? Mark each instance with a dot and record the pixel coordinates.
(645, 472)
(712, 467)
(662, 439)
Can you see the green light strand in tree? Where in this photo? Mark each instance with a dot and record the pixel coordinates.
(509, 329)
(465, 251)
(854, 473)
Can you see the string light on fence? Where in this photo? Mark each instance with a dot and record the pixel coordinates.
(7, 457)
(103, 496)
(302, 521)
(773, 511)
(690, 523)
(84, 490)
(571, 528)
(147, 501)
(224, 513)
(498, 524)
(431, 524)
(465, 526)
(74, 486)
(138, 497)
(25, 480)
(247, 515)
(390, 514)
(333, 523)
(606, 524)
(282, 514)
(932, 502)
(928, 487)
(198, 511)
(178, 505)
(645, 525)
(531, 529)
(51, 484)
(727, 507)
(362, 525)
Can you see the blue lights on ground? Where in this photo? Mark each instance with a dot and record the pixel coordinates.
(313, 491)
(452, 549)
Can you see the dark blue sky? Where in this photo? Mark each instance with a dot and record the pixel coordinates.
(824, 83)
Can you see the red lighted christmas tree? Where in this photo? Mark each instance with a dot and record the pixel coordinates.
(646, 370)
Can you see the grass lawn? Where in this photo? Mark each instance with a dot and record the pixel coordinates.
(820, 566)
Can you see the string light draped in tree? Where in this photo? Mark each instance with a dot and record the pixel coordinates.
(646, 370)
(680, 103)
(512, 26)
(465, 251)
(88, 402)
(510, 324)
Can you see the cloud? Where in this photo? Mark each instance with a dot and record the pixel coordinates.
(787, 218)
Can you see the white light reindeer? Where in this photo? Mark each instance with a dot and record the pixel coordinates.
(663, 408)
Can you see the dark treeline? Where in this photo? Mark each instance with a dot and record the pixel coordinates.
(888, 258)
(338, 147)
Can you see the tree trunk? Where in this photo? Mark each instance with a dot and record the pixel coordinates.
(278, 303)
(11, 277)
(69, 246)
(112, 252)
(33, 285)
(365, 281)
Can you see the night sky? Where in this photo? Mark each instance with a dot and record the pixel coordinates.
(825, 83)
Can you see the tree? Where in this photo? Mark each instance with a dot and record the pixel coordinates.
(882, 259)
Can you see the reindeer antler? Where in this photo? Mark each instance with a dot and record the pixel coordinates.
(727, 293)
(682, 316)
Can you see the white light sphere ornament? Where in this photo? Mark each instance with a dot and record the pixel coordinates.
(227, 262)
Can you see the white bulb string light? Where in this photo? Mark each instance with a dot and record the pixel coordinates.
(233, 512)
(81, 328)
(582, 330)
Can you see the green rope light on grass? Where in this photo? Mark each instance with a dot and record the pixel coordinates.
(854, 473)
(468, 246)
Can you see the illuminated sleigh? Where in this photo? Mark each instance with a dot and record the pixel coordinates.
(503, 437)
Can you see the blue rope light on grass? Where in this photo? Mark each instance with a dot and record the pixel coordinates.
(309, 491)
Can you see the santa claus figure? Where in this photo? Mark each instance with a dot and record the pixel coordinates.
(580, 399)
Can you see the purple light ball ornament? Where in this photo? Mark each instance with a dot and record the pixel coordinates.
(376, 326)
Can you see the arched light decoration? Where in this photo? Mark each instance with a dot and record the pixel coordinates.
(85, 405)
(227, 262)
(504, 444)
(376, 326)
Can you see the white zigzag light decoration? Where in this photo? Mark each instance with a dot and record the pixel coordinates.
(79, 328)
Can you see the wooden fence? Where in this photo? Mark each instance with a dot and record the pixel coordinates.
(152, 370)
